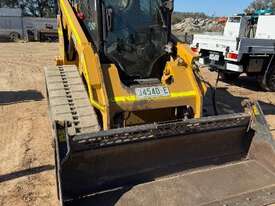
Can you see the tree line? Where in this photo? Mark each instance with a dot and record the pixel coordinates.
(36, 8)
(254, 5)
(260, 4)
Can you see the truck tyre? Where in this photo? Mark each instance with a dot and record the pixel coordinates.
(262, 82)
(229, 76)
(14, 36)
(267, 81)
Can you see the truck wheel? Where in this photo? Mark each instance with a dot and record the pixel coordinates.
(261, 82)
(270, 80)
(229, 76)
(267, 81)
(14, 36)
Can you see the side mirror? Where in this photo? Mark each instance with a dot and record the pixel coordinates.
(109, 19)
(168, 4)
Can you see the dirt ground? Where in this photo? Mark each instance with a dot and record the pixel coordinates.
(26, 157)
(230, 95)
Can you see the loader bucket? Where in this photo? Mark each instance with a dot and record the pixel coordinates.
(222, 160)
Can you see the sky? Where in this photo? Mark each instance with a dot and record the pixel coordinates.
(212, 7)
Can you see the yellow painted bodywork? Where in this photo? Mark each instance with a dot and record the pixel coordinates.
(110, 96)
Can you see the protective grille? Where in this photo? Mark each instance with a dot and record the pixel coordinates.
(158, 131)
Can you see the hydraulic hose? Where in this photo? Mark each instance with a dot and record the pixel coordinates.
(213, 89)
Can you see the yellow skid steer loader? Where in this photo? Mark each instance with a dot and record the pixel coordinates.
(126, 102)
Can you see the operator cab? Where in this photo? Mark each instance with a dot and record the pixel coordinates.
(132, 34)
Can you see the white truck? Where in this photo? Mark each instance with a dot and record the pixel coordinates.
(40, 29)
(246, 46)
(14, 25)
(11, 23)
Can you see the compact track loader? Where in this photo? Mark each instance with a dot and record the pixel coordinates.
(126, 102)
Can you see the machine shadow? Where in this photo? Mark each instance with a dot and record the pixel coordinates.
(26, 172)
(246, 82)
(228, 103)
(13, 97)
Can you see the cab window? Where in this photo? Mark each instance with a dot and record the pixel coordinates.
(89, 9)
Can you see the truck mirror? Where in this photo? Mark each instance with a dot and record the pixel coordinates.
(109, 19)
(168, 4)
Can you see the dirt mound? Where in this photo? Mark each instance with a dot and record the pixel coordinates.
(193, 25)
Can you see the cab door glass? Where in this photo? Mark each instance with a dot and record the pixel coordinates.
(137, 37)
(89, 9)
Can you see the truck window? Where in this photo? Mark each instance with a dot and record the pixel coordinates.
(74, 2)
(235, 19)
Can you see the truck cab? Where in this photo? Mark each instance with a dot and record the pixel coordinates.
(247, 45)
(236, 26)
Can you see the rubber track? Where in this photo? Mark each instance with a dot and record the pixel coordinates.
(68, 99)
